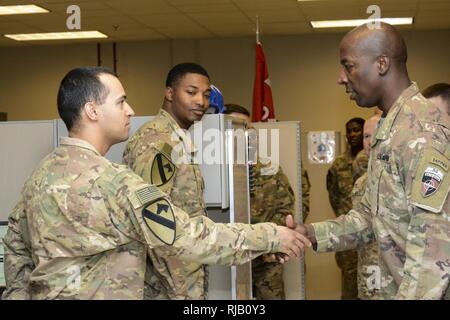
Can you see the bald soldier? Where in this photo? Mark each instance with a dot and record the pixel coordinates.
(405, 207)
(83, 225)
(367, 255)
(271, 200)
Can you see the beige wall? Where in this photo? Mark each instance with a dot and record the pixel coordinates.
(303, 71)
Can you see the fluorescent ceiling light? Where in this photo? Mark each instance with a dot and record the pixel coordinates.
(358, 22)
(57, 35)
(24, 9)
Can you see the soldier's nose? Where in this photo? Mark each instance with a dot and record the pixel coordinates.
(342, 78)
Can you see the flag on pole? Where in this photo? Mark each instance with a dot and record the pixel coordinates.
(262, 91)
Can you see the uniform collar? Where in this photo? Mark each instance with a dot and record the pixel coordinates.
(386, 124)
(349, 155)
(68, 141)
(189, 146)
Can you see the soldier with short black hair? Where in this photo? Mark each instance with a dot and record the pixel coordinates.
(83, 225)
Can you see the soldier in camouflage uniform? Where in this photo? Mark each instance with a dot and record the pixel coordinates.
(339, 185)
(149, 154)
(406, 204)
(83, 225)
(154, 153)
(367, 255)
(271, 200)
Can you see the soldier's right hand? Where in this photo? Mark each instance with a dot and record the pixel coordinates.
(292, 242)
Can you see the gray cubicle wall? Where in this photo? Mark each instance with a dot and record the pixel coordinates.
(23, 144)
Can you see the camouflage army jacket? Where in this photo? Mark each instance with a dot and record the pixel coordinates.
(340, 183)
(83, 225)
(406, 205)
(271, 195)
(150, 153)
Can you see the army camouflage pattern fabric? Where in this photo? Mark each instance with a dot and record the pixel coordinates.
(271, 200)
(339, 185)
(406, 205)
(359, 166)
(170, 278)
(367, 255)
(306, 186)
(80, 231)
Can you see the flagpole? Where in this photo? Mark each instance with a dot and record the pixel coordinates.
(257, 29)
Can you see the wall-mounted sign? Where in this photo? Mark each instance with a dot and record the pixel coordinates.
(322, 146)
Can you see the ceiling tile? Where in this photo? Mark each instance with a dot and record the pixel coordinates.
(219, 18)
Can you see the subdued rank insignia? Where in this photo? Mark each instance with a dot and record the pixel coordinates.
(160, 219)
(431, 180)
(162, 170)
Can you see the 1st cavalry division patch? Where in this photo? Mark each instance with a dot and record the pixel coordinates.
(160, 219)
(156, 211)
(162, 170)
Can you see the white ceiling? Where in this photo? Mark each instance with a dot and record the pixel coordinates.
(175, 19)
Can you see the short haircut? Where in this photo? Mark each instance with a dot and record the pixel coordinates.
(180, 70)
(80, 86)
(358, 120)
(235, 108)
(438, 90)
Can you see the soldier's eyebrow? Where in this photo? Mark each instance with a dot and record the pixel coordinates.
(122, 97)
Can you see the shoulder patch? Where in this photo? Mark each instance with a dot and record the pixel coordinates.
(162, 168)
(157, 212)
(144, 195)
(160, 219)
(432, 181)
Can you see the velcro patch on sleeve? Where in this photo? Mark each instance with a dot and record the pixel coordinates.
(157, 212)
(160, 219)
(432, 181)
(144, 195)
(162, 167)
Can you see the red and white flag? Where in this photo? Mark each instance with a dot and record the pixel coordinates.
(262, 92)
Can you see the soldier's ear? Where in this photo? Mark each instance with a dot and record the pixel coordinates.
(169, 93)
(91, 111)
(383, 64)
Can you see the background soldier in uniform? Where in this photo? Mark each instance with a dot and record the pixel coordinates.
(406, 205)
(271, 200)
(83, 225)
(339, 185)
(367, 255)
